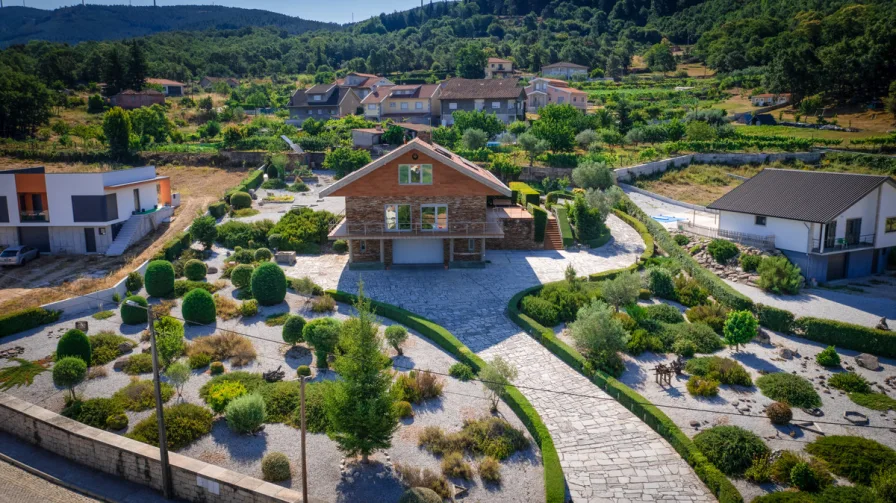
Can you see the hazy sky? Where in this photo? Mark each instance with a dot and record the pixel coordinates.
(337, 11)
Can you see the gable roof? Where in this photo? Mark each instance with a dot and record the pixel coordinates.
(383, 92)
(564, 64)
(434, 151)
(808, 196)
(331, 96)
(469, 89)
(164, 82)
(499, 60)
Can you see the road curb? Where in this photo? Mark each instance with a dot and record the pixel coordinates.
(54, 480)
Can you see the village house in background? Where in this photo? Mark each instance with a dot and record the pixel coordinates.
(564, 70)
(208, 82)
(80, 213)
(322, 102)
(417, 103)
(497, 68)
(542, 92)
(130, 99)
(169, 87)
(501, 97)
(832, 225)
(363, 83)
(370, 137)
(767, 100)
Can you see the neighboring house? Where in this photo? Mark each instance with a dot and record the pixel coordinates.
(497, 68)
(832, 225)
(767, 100)
(751, 119)
(169, 87)
(368, 137)
(82, 212)
(502, 97)
(422, 204)
(130, 99)
(363, 83)
(208, 82)
(542, 91)
(564, 70)
(417, 103)
(322, 102)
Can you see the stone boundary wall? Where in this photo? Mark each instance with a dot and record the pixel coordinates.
(101, 299)
(650, 168)
(192, 480)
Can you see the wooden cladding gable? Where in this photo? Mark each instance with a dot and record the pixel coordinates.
(446, 181)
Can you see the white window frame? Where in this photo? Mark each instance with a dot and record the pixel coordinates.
(404, 105)
(316, 97)
(406, 174)
(391, 104)
(418, 105)
(371, 106)
(452, 106)
(435, 226)
(496, 105)
(397, 226)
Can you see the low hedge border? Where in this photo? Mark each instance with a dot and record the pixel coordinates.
(26, 319)
(175, 246)
(553, 197)
(554, 482)
(526, 194)
(252, 181)
(565, 229)
(847, 335)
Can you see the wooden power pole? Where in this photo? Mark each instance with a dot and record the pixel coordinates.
(160, 417)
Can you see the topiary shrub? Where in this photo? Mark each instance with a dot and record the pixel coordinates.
(659, 281)
(322, 334)
(245, 414)
(240, 200)
(75, 343)
(195, 270)
(292, 329)
(131, 315)
(134, 282)
(702, 386)
(779, 413)
(268, 284)
(828, 357)
(218, 210)
(730, 448)
(241, 275)
(420, 495)
(855, 458)
(69, 372)
(303, 371)
(791, 389)
(722, 250)
(263, 255)
(275, 467)
(117, 421)
(199, 307)
(216, 368)
(403, 409)
(159, 278)
(849, 382)
(681, 240)
(340, 246)
(184, 423)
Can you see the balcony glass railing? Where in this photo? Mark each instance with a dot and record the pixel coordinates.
(843, 244)
(34, 216)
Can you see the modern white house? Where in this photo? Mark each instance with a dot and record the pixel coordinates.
(80, 213)
(832, 225)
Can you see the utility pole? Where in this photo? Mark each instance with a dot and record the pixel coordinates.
(160, 417)
(304, 464)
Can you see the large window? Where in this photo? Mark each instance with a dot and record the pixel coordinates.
(418, 105)
(404, 105)
(434, 217)
(398, 217)
(415, 174)
(891, 225)
(452, 106)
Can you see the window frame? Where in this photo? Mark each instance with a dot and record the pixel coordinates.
(435, 226)
(452, 106)
(371, 106)
(399, 226)
(760, 220)
(362, 245)
(404, 105)
(889, 225)
(496, 105)
(405, 174)
(418, 105)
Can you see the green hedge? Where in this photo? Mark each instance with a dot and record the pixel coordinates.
(552, 197)
(218, 210)
(563, 222)
(848, 336)
(252, 181)
(648, 249)
(772, 318)
(174, 247)
(26, 319)
(554, 483)
(527, 195)
(541, 221)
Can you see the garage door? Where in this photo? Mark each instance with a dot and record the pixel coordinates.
(417, 251)
(38, 237)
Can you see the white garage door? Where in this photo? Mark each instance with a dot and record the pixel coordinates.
(417, 251)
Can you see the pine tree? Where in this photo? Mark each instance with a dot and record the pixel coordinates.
(115, 73)
(136, 76)
(360, 408)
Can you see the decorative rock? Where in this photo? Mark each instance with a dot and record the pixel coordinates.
(882, 324)
(212, 270)
(695, 424)
(856, 418)
(785, 353)
(119, 364)
(125, 348)
(867, 361)
(81, 325)
(763, 337)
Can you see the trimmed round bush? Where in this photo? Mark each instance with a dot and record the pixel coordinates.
(791, 389)
(730, 448)
(828, 357)
(263, 255)
(403, 409)
(117, 421)
(241, 275)
(292, 329)
(340, 246)
(216, 368)
(240, 200)
(420, 495)
(245, 414)
(159, 278)
(75, 343)
(69, 372)
(779, 413)
(303, 371)
(199, 360)
(199, 307)
(134, 282)
(195, 270)
(275, 467)
(131, 315)
(268, 284)
(702, 386)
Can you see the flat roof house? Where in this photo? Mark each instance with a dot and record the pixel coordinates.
(169, 87)
(497, 68)
(767, 99)
(80, 213)
(207, 82)
(501, 97)
(564, 69)
(832, 225)
(422, 204)
(417, 103)
(542, 92)
(322, 102)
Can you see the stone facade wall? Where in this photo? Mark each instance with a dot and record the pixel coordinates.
(373, 250)
(192, 480)
(519, 234)
(462, 251)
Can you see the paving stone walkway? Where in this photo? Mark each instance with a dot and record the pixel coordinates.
(606, 452)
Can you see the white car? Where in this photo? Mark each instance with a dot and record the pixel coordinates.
(18, 255)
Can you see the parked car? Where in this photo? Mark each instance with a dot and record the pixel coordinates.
(18, 255)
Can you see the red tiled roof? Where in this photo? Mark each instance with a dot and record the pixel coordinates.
(499, 60)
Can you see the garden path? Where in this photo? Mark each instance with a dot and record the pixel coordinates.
(607, 453)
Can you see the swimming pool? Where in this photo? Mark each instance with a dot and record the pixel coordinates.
(667, 218)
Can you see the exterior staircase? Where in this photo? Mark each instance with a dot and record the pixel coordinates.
(125, 237)
(552, 238)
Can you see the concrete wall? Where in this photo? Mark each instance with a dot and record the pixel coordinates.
(9, 236)
(192, 480)
(72, 240)
(98, 300)
(650, 168)
(669, 200)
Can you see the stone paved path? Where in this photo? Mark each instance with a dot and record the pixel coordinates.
(607, 453)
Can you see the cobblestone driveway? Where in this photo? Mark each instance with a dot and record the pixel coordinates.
(606, 452)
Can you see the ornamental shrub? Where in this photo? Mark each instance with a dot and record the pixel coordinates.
(855, 458)
(216, 368)
(640, 341)
(740, 328)
(688, 291)
(454, 466)
(139, 395)
(199, 307)
(749, 263)
(684, 347)
(803, 478)
(791, 389)
(303, 371)
(75, 343)
(778, 275)
(218, 210)
(275, 467)
(713, 315)
(195, 270)
(772, 318)
(246, 413)
(730, 448)
(184, 423)
(249, 308)
(268, 284)
(69, 372)
(159, 278)
(134, 282)
(704, 338)
(779, 413)
(849, 382)
(263, 255)
(117, 421)
(199, 360)
(884, 484)
(292, 329)
(701, 386)
(567, 299)
(169, 339)
(828, 357)
(322, 334)
(131, 315)
(240, 200)
(724, 370)
(221, 393)
(664, 313)
(139, 363)
(94, 412)
(420, 495)
(659, 281)
(241, 275)
(340, 246)
(461, 371)
(540, 310)
(403, 409)
(681, 240)
(395, 337)
(722, 250)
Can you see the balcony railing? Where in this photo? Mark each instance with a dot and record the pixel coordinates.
(34, 216)
(343, 229)
(843, 244)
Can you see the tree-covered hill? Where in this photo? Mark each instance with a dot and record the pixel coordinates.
(19, 25)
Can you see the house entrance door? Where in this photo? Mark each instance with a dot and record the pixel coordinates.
(90, 239)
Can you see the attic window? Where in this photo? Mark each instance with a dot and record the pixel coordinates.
(316, 97)
(415, 174)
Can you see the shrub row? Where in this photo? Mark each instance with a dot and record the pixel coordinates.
(847, 335)
(174, 247)
(525, 195)
(26, 319)
(554, 482)
(252, 181)
(541, 221)
(563, 222)
(552, 197)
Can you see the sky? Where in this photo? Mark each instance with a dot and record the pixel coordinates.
(336, 11)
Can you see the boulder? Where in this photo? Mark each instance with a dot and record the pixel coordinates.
(882, 324)
(125, 348)
(867, 361)
(119, 364)
(785, 353)
(212, 270)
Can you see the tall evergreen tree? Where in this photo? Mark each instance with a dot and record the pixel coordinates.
(115, 73)
(117, 128)
(136, 76)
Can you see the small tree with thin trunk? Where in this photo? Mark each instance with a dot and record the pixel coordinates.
(203, 229)
(496, 376)
(740, 328)
(69, 372)
(622, 290)
(533, 145)
(395, 336)
(178, 374)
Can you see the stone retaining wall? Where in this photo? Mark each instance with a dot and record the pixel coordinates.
(192, 480)
(650, 168)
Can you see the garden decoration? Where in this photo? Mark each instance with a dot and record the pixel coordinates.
(274, 375)
(663, 374)
(677, 365)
